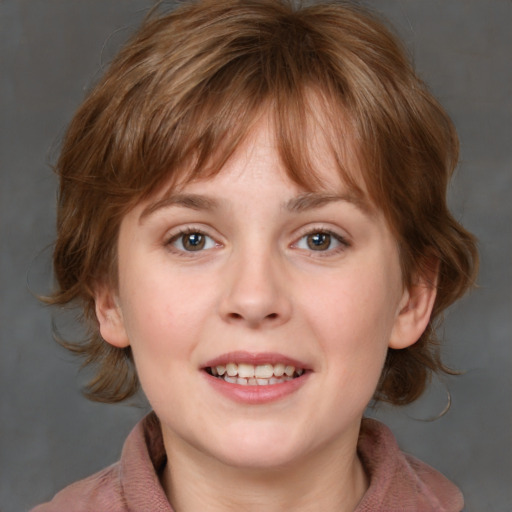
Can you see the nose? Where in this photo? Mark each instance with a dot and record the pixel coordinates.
(257, 292)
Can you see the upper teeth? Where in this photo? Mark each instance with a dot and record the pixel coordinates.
(262, 371)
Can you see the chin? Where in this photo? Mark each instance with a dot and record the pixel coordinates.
(260, 450)
(260, 460)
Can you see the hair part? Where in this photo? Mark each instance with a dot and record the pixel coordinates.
(183, 95)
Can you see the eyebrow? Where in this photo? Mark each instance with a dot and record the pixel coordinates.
(192, 201)
(312, 201)
(299, 204)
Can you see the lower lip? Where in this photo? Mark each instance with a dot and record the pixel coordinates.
(256, 394)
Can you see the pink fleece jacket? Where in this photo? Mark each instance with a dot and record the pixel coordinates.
(398, 482)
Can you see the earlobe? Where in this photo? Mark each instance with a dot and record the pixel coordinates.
(110, 318)
(414, 313)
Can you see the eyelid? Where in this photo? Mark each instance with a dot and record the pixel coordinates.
(342, 239)
(177, 233)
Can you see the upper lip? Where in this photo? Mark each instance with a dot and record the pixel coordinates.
(255, 359)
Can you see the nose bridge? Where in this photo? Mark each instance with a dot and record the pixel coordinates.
(256, 292)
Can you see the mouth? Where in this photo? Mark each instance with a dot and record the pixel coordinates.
(256, 378)
(246, 374)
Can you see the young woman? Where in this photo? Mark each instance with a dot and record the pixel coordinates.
(252, 216)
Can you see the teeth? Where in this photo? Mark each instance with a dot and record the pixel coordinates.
(232, 369)
(245, 370)
(261, 375)
(289, 370)
(264, 371)
(279, 370)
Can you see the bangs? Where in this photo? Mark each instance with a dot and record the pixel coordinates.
(298, 128)
(173, 131)
(300, 122)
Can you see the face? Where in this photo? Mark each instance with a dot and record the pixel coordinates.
(259, 315)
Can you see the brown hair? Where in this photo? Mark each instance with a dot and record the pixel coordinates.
(183, 94)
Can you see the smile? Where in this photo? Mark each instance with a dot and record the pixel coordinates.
(255, 375)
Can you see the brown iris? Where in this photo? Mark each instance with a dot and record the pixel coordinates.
(194, 241)
(319, 241)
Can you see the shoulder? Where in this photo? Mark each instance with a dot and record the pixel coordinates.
(101, 491)
(399, 481)
(130, 484)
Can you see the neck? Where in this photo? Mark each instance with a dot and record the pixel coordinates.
(329, 480)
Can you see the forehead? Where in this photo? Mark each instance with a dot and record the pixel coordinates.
(321, 162)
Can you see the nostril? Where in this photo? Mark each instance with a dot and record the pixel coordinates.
(238, 316)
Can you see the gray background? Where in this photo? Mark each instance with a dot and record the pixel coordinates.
(51, 50)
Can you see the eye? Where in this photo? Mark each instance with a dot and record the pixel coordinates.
(321, 241)
(192, 241)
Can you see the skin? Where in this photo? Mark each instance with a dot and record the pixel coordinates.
(257, 286)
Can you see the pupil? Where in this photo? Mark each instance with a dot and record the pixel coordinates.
(319, 241)
(194, 241)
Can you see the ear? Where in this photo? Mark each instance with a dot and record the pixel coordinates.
(414, 310)
(110, 318)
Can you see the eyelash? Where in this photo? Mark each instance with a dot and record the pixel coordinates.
(176, 237)
(337, 238)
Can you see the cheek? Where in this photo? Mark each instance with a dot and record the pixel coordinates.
(161, 337)
(164, 312)
(364, 305)
(353, 319)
